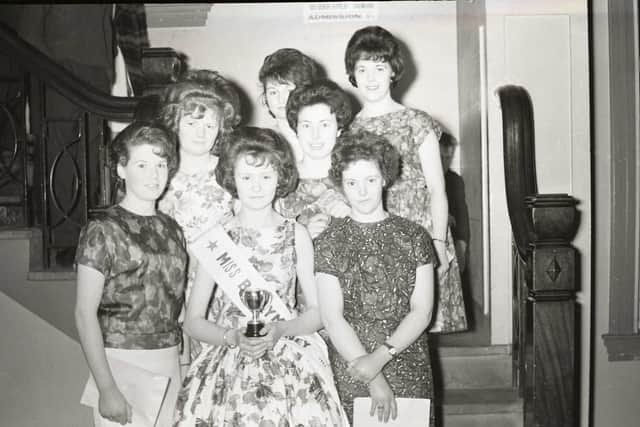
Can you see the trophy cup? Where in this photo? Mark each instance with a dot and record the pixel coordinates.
(256, 300)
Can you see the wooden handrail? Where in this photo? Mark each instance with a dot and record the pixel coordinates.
(545, 279)
(78, 91)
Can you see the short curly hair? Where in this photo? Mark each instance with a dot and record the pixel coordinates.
(377, 44)
(144, 133)
(364, 145)
(320, 92)
(267, 146)
(194, 93)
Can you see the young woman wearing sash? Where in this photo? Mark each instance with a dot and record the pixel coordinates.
(201, 109)
(375, 283)
(131, 262)
(282, 377)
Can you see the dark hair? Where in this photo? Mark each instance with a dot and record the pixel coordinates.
(267, 146)
(446, 140)
(320, 92)
(288, 65)
(197, 91)
(364, 145)
(144, 133)
(377, 44)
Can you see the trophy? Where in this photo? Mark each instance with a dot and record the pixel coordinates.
(256, 300)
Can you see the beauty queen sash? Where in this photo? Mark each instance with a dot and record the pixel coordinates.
(232, 271)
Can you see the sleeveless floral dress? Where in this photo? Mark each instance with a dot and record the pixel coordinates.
(409, 197)
(279, 389)
(197, 203)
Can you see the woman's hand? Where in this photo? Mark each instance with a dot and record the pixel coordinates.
(382, 399)
(317, 224)
(272, 332)
(441, 252)
(114, 407)
(365, 368)
(251, 348)
(338, 208)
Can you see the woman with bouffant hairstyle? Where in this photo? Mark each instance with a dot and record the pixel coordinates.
(201, 108)
(131, 267)
(278, 375)
(374, 272)
(281, 72)
(318, 113)
(375, 63)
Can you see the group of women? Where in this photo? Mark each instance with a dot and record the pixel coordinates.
(342, 220)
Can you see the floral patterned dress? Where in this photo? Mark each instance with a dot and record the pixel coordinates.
(280, 389)
(375, 264)
(410, 198)
(197, 203)
(312, 196)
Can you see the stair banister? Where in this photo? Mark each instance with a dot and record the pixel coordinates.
(44, 74)
(545, 280)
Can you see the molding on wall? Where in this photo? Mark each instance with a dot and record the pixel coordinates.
(622, 347)
(165, 15)
(623, 338)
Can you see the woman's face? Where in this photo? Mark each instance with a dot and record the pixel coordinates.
(373, 79)
(317, 130)
(145, 174)
(276, 95)
(362, 184)
(198, 133)
(256, 182)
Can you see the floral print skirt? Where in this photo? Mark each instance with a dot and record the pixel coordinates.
(284, 388)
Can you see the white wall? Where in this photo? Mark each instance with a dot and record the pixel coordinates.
(237, 37)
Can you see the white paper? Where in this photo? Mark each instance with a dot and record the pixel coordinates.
(411, 413)
(144, 390)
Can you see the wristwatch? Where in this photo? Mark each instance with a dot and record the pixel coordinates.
(393, 352)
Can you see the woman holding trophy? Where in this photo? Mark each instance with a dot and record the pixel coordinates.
(278, 372)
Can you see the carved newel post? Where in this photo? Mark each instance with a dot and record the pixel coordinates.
(550, 366)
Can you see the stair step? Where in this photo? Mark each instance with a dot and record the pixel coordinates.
(486, 367)
(482, 408)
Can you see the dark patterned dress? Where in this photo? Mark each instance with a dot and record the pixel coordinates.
(143, 260)
(279, 389)
(375, 264)
(410, 198)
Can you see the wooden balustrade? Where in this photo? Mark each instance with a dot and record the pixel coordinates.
(71, 177)
(545, 329)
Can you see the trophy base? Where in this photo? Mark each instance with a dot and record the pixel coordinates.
(253, 330)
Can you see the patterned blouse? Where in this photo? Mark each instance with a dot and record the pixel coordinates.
(143, 260)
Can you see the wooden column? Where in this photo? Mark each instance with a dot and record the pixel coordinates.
(550, 361)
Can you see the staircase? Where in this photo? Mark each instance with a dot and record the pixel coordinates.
(477, 380)
(478, 388)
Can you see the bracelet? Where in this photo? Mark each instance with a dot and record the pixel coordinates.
(438, 240)
(224, 338)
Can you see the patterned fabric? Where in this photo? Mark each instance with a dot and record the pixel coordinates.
(410, 198)
(312, 196)
(130, 22)
(197, 203)
(279, 389)
(375, 264)
(143, 260)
